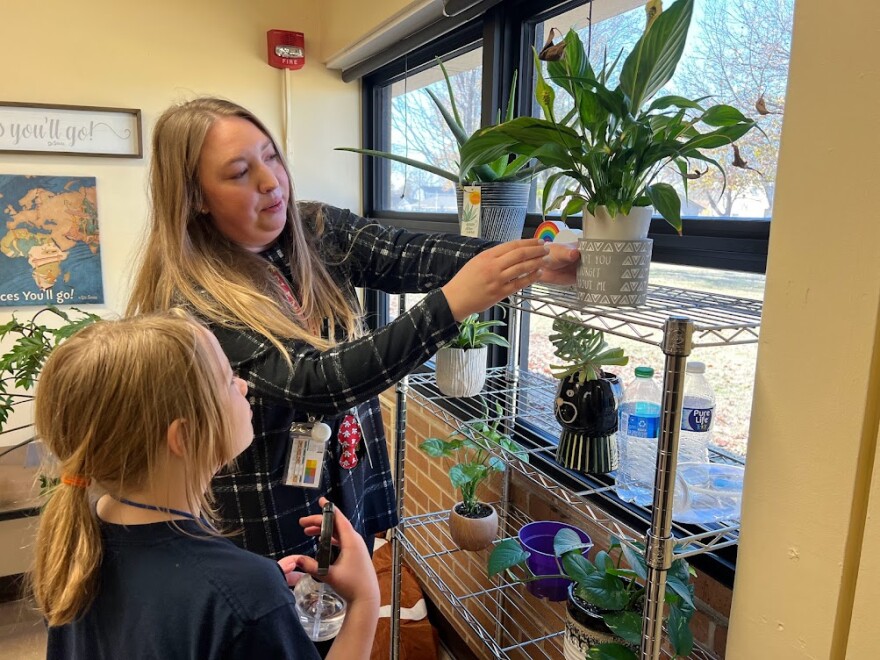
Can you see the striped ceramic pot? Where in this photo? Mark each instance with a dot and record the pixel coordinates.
(503, 208)
(461, 372)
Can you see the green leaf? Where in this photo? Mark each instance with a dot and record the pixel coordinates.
(636, 561)
(406, 161)
(497, 464)
(666, 201)
(507, 554)
(456, 119)
(604, 590)
(434, 447)
(654, 58)
(678, 629)
(664, 102)
(723, 115)
(567, 540)
(577, 567)
(625, 624)
(544, 94)
(610, 652)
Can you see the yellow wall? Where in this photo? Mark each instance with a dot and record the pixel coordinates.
(814, 424)
(147, 55)
(347, 21)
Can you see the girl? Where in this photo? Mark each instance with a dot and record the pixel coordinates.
(274, 281)
(147, 410)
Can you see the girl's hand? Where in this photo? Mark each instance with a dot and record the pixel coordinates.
(352, 574)
(494, 274)
(561, 266)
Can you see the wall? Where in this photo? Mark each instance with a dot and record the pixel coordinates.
(348, 21)
(148, 55)
(804, 553)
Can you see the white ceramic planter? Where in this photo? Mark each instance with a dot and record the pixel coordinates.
(461, 372)
(631, 227)
(615, 258)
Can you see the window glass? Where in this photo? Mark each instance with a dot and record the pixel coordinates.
(394, 303)
(730, 370)
(738, 54)
(418, 131)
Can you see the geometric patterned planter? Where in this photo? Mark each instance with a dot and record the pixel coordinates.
(614, 273)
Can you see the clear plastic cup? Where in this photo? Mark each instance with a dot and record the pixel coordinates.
(321, 610)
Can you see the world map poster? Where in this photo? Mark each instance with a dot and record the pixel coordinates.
(50, 246)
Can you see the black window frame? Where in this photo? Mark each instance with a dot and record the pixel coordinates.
(506, 33)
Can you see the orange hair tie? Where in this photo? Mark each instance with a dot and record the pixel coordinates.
(75, 481)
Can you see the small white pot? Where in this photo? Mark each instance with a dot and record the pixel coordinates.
(631, 227)
(461, 372)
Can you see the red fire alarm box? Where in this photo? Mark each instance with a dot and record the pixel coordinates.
(286, 49)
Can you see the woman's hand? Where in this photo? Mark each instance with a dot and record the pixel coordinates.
(561, 265)
(351, 575)
(496, 273)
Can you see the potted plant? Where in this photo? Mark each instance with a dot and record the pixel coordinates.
(492, 193)
(605, 597)
(473, 524)
(612, 146)
(461, 363)
(587, 399)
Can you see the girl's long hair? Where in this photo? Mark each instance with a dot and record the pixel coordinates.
(105, 400)
(187, 261)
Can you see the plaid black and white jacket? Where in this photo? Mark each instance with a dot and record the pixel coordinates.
(329, 383)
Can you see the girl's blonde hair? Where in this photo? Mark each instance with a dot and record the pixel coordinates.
(187, 261)
(104, 403)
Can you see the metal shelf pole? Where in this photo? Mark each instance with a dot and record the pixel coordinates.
(677, 337)
(397, 532)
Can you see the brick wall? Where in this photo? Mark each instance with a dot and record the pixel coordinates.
(511, 616)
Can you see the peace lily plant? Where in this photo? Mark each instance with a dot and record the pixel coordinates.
(615, 142)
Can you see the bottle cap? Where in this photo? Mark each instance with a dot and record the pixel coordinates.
(695, 368)
(644, 372)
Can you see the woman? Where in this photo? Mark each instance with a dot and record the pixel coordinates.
(273, 279)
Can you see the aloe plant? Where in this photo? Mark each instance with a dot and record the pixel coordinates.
(614, 143)
(584, 350)
(499, 168)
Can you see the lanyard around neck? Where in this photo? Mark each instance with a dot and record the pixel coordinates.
(161, 509)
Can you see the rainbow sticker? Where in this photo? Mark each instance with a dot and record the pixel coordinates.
(548, 230)
(311, 471)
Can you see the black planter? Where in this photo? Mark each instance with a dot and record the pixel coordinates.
(587, 413)
(585, 628)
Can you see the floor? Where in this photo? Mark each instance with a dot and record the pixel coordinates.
(23, 636)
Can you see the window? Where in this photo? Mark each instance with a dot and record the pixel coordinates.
(418, 131)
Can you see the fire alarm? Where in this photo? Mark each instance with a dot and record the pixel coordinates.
(286, 49)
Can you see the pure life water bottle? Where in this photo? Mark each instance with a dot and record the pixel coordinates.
(697, 416)
(637, 436)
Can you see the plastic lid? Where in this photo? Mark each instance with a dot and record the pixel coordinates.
(696, 367)
(644, 372)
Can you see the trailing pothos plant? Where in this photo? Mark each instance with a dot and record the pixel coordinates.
(33, 342)
(613, 584)
(482, 449)
(615, 142)
(500, 167)
(583, 350)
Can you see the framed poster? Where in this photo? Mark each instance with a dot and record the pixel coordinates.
(70, 129)
(50, 246)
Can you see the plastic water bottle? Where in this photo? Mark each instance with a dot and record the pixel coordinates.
(637, 437)
(697, 415)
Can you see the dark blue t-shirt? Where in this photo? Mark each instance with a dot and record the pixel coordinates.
(166, 595)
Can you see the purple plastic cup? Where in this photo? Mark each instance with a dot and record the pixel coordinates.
(537, 538)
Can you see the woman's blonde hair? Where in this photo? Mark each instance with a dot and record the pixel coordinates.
(187, 261)
(105, 400)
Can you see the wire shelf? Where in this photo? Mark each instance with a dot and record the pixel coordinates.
(496, 608)
(719, 320)
(528, 398)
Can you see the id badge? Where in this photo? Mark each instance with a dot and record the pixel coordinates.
(308, 444)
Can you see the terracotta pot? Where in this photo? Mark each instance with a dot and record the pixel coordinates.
(473, 533)
(587, 413)
(461, 372)
(584, 628)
